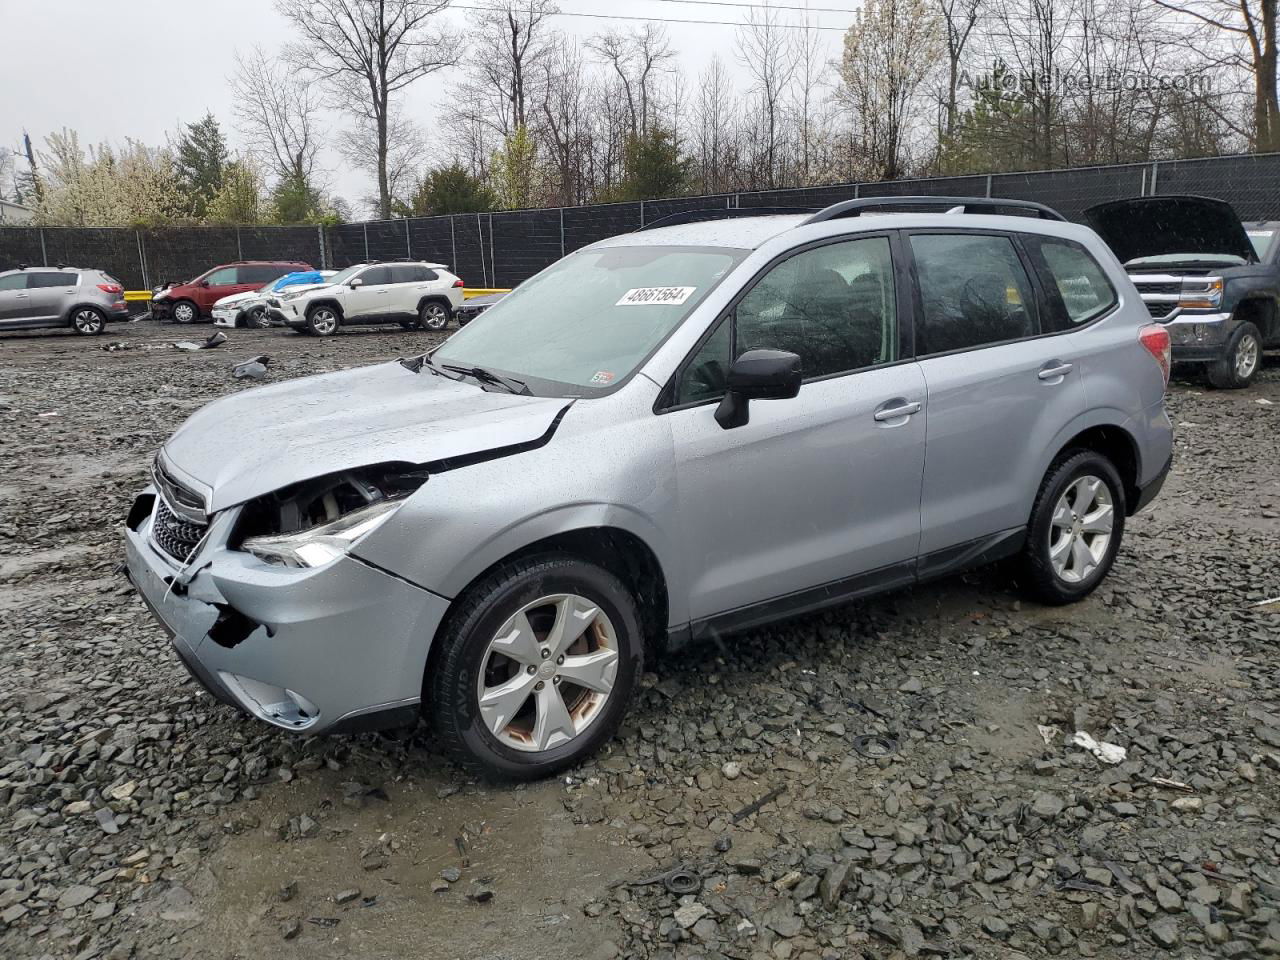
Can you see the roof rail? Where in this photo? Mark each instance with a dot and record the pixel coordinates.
(855, 208)
(720, 213)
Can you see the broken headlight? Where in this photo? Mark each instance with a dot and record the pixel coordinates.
(314, 523)
(323, 544)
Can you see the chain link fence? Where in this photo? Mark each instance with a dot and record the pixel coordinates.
(504, 248)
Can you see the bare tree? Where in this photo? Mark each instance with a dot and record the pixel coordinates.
(508, 40)
(1253, 24)
(888, 54)
(394, 159)
(765, 48)
(277, 114)
(959, 17)
(367, 51)
(564, 124)
(714, 129)
(638, 59)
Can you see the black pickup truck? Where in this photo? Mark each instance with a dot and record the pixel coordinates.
(1213, 281)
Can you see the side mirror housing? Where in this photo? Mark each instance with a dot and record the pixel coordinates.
(356, 282)
(757, 375)
(204, 283)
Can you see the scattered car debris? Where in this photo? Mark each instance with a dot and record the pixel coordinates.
(755, 805)
(255, 368)
(1171, 784)
(1047, 734)
(215, 339)
(1106, 752)
(325, 921)
(679, 881)
(875, 746)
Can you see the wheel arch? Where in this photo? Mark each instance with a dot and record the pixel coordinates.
(1115, 442)
(326, 302)
(435, 298)
(1261, 312)
(621, 551)
(68, 318)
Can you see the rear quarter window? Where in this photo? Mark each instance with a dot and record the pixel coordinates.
(1078, 288)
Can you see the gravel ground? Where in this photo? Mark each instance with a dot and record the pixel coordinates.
(142, 819)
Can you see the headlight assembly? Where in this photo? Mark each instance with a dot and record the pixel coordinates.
(322, 544)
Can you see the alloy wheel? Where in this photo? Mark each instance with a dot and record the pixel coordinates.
(434, 317)
(184, 313)
(1247, 354)
(324, 322)
(548, 673)
(87, 321)
(1081, 528)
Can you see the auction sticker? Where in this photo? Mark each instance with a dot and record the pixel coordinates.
(655, 296)
(602, 376)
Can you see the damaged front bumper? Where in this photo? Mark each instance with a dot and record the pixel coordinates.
(1197, 337)
(337, 648)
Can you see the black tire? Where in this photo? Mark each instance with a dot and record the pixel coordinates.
(323, 320)
(452, 679)
(408, 324)
(256, 319)
(1040, 577)
(88, 321)
(434, 315)
(1240, 362)
(184, 311)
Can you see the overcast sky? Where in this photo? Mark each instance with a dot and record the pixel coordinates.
(111, 69)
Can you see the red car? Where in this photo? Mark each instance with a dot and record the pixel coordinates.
(194, 300)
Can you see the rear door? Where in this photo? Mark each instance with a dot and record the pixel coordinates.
(1000, 386)
(50, 294)
(412, 282)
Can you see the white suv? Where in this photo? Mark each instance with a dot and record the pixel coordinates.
(412, 294)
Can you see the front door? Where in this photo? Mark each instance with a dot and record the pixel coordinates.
(222, 282)
(14, 298)
(816, 493)
(1000, 390)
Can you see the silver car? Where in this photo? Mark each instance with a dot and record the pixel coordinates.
(674, 434)
(60, 296)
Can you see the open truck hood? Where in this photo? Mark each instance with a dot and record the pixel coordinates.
(1163, 226)
(259, 440)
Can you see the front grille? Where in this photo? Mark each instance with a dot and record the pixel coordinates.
(1158, 286)
(175, 536)
(1160, 308)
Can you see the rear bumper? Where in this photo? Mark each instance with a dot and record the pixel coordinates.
(1153, 487)
(338, 648)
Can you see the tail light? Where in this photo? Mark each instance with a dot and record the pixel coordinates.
(1155, 338)
(458, 283)
(110, 288)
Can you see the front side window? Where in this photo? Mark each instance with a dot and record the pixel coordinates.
(587, 322)
(1082, 289)
(833, 306)
(222, 277)
(973, 291)
(14, 281)
(375, 276)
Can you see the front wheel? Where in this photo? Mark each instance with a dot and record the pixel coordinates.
(184, 311)
(88, 321)
(433, 315)
(322, 321)
(1240, 362)
(257, 319)
(1075, 529)
(535, 668)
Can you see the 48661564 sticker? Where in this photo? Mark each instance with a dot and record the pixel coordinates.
(655, 296)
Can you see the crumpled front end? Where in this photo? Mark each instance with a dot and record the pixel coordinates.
(341, 646)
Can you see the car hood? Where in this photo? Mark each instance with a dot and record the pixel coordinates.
(266, 438)
(238, 298)
(1161, 226)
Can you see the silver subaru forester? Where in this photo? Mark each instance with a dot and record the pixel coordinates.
(678, 433)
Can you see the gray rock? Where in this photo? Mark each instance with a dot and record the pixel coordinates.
(1164, 931)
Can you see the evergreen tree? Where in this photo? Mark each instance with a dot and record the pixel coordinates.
(201, 163)
(654, 167)
(449, 189)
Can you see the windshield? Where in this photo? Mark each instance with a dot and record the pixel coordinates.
(1261, 240)
(342, 276)
(591, 319)
(1225, 258)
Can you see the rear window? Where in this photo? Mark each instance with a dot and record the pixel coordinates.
(37, 280)
(411, 273)
(1078, 288)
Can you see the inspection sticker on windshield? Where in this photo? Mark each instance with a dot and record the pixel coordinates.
(651, 296)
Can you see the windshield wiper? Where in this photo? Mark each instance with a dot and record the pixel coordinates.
(415, 365)
(510, 384)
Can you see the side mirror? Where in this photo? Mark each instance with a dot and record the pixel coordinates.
(204, 283)
(757, 375)
(356, 282)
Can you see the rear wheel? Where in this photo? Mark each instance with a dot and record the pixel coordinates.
(322, 321)
(1075, 529)
(536, 668)
(433, 315)
(1240, 362)
(88, 321)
